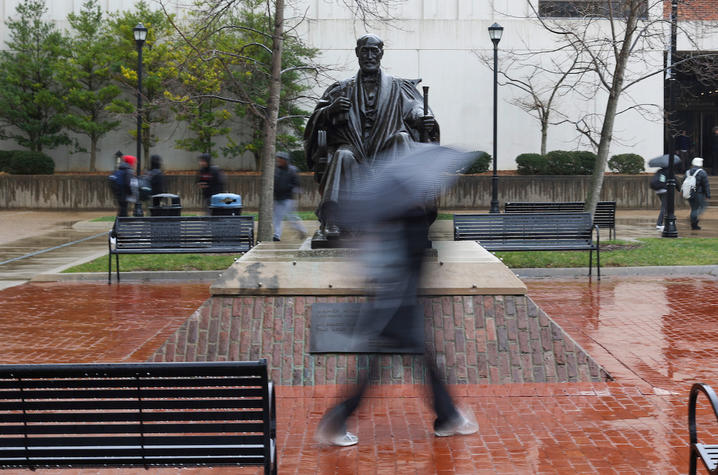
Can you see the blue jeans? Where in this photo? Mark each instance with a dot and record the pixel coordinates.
(285, 209)
(698, 206)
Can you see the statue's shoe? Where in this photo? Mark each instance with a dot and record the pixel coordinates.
(332, 231)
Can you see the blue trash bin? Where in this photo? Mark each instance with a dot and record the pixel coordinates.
(225, 204)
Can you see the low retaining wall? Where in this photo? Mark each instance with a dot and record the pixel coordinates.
(471, 192)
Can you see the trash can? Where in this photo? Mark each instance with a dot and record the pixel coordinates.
(225, 204)
(165, 204)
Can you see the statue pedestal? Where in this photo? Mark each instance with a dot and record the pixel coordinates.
(274, 268)
(479, 322)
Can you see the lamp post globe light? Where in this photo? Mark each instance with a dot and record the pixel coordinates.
(140, 34)
(495, 32)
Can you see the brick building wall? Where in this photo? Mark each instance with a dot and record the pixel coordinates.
(696, 10)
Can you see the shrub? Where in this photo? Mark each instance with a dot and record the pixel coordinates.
(531, 164)
(25, 162)
(562, 162)
(5, 160)
(627, 163)
(584, 162)
(480, 165)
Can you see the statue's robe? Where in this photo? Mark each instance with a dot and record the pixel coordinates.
(382, 121)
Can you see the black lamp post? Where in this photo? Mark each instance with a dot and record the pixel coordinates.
(495, 32)
(669, 226)
(140, 34)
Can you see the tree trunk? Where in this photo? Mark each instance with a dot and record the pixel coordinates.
(544, 135)
(609, 119)
(93, 154)
(266, 199)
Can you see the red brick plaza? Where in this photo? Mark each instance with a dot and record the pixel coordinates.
(654, 336)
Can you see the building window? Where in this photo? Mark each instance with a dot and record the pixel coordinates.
(588, 8)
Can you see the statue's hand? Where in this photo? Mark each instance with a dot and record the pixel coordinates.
(428, 123)
(339, 106)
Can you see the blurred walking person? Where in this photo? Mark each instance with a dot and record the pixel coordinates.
(698, 199)
(210, 179)
(121, 181)
(394, 208)
(155, 176)
(286, 189)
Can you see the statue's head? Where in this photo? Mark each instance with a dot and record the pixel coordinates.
(369, 50)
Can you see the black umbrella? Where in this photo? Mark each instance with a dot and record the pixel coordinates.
(392, 187)
(662, 161)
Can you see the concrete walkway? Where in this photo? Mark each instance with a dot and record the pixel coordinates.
(43, 243)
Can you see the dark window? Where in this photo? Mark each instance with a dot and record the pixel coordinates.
(588, 8)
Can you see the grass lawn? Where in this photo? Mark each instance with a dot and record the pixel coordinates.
(160, 262)
(645, 252)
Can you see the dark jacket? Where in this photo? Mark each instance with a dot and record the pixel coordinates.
(286, 182)
(702, 184)
(155, 176)
(123, 175)
(214, 178)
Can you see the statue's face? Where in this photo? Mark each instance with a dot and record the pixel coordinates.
(369, 54)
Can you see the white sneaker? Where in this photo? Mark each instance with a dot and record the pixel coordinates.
(465, 424)
(341, 440)
(660, 228)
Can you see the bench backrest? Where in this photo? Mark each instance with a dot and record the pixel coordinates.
(178, 232)
(523, 227)
(135, 414)
(604, 217)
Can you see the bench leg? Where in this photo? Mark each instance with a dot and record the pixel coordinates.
(590, 261)
(693, 462)
(117, 265)
(598, 262)
(109, 269)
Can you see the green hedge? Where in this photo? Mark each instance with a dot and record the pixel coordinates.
(556, 162)
(531, 164)
(480, 165)
(627, 163)
(25, 162)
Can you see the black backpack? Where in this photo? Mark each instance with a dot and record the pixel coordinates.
(114, 180)
(658, 181)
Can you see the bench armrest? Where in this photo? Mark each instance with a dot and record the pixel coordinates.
(711, 395)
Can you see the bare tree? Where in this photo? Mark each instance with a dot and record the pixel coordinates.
(617, 44)
(541, 85)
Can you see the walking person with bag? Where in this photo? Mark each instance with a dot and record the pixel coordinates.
(696, 189)
(658, 184)
(286, 187)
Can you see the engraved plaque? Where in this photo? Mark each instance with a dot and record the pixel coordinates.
(332, 327)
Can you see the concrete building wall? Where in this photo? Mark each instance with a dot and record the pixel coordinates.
(438, 41)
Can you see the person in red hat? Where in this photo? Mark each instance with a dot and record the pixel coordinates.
(120, 182)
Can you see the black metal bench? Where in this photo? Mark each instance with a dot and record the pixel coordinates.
(179, 235)
(137, 415)
(531, 232)
(708, 454)
(604, 217)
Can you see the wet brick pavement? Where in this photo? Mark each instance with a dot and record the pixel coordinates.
(655, 335)
(86, 323)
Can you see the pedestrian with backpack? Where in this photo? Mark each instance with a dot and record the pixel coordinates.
(658, 184)
(120, 181)
(696, 190)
